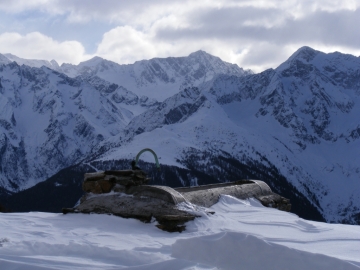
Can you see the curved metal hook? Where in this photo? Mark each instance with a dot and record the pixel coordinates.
(152, 152)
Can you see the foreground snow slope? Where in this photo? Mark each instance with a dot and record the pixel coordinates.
(240, 235)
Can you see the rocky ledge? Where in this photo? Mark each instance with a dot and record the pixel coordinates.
(125, 194)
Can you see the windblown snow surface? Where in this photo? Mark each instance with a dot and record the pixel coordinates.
(240, 235)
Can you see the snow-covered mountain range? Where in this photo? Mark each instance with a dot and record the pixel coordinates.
(300, 120)
(50, 120)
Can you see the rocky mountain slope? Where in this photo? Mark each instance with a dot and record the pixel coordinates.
(158, 78)
(49, 121)
(301, 118)
(210, 119)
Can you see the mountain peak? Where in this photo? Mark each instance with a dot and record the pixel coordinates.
(9, 55)
(200, 54)
(304, 53)
(92, 62)
(29, 62)
(54, 63)
(3, 59)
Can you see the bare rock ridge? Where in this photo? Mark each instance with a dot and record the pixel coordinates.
(123, 193)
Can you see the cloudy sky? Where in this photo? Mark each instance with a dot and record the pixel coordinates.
(255, 34)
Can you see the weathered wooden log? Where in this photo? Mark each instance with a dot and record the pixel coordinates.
(163, 193)
(103, 182)
(120, 173)
(129, 206)
(92, 186)
(122, 180)
(94, 176)
(105, 185)
(133, 199)
(275, 201)
(208, 195)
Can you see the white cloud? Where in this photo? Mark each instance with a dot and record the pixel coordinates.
(255, 34)
(126, 45)
(22, 5)
(38, 46)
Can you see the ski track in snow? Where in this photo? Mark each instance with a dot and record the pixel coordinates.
(240, 235)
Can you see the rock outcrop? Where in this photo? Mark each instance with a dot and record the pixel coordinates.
(124, 194)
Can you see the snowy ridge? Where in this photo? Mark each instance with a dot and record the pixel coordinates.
(31, 62)
(157, 78)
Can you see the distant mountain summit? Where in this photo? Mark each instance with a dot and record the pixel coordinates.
(31, 62)
(157, 78)
(163, 76)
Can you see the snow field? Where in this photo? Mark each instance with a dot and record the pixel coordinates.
(240, 235)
